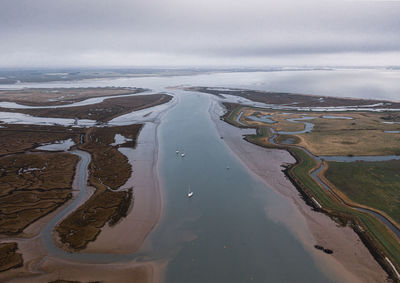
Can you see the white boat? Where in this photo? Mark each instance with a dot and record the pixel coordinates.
(177, 151)
(183, 155)
(190, 193)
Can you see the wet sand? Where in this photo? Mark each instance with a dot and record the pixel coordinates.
(128, 235)
(54, 269)
(351, 260)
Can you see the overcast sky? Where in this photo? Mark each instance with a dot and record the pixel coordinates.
(198, 32)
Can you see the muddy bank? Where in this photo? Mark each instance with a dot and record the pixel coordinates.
(351, 260)
(58, 269)
(128, 235)
(110, 108)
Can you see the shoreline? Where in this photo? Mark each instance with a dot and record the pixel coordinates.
(351, 259)
(40, 266)
(128, 235)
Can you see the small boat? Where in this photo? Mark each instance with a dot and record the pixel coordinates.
(190, 193)
(183, 155)
(177, 151)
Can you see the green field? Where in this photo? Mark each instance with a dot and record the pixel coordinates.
(375, 230)
(373, 184)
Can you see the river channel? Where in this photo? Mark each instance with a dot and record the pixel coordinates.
(222, 233)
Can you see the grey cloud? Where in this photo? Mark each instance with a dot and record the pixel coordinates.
(47, 29)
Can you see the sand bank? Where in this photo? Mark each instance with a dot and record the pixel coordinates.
(54, 269)
(351, 260)
(128, 235)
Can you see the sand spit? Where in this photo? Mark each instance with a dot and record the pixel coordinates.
(351, 260)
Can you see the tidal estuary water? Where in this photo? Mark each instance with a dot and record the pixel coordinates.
(222, 233)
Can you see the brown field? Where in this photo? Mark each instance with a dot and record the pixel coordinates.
(20, 138)
(61, 96)
(33, 185)
(352, 143)
(102, 112)
(9, 258)
(85, 223)
(364, 135)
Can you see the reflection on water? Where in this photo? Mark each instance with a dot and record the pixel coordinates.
(392, 132)
(337, 117)
(265, 119)
(58, 146)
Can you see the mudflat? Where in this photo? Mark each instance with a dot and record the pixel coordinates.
(101, 112)
(61, 96)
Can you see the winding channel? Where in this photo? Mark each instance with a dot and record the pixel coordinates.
(308, 128)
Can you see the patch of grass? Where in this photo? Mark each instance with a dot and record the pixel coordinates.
(287, 139)
(351, 142)
(374, 184)
(20, 138)
(109, 167)
(379, 239)
(232, 113)
(84, 224)
(33, 185)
